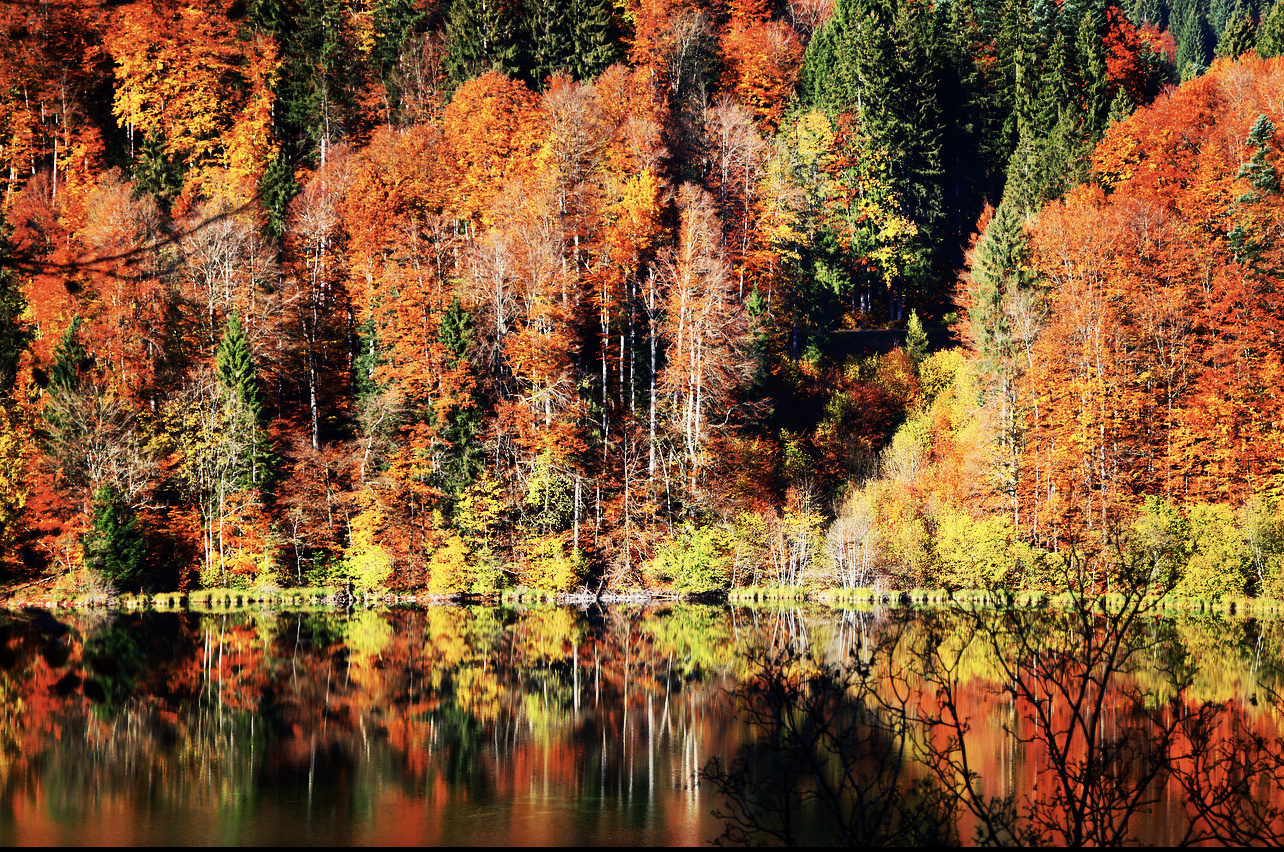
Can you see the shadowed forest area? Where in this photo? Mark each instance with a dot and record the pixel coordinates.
(690, 295)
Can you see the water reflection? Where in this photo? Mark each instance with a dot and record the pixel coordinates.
(447, 725)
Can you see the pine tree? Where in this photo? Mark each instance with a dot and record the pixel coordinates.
(14, 333)
(1194, 49)
(481, 36)
(234, 368)
(1270, 41)
(115, 546)
(70, 359)
(276, 189)
(1240, 36)
(463, 461)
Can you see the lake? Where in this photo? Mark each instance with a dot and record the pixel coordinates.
(555, 725)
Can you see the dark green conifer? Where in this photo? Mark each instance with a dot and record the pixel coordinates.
(234, 368)
(277, 189)
(1194, 46)
(115, 546)
(70, 359)
(15, 334)
(1240, 36)
(463, 461)
(481, 36)
(1270, 41)
(155, 171)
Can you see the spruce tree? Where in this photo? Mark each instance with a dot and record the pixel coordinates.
(70, 359)
(115, 547)
(593, 47)
(1240, 36)
(481, 36)
(1091, 53)
(463, 458)
(1194, 50)
(884, 62)
(277, 188)
(1270, 41)
(14, 333)
(155, 171)
(915, 340)
(234, 368)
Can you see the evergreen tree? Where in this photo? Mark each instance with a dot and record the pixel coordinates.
(234, 368)
(915, 340)
(463, 458)
(571, 36)
(70, 359)
(1000, 268)
(115, 546)
(481, 36)
(884, 62)
(319, 75)
(277, 188)
(370, 356)
(14, 333)
(395, 22)
(1240, 36)
(1270, 41)
(1248, 240)
(1194, 50)
(1092, 83)
(155, 171)
(593, 47)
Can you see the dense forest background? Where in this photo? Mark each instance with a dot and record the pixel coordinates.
(475, 294)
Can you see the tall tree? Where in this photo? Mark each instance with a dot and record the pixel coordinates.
(14, 331)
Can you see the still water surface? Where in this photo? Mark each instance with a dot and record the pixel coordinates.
(447, 725)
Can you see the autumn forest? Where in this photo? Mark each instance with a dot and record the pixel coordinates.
(458, 296)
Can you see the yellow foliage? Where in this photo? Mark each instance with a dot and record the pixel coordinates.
(15, 443)
(448, 567)
(369, 564)
(549, 566)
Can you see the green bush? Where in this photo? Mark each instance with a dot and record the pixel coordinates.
(698, 560)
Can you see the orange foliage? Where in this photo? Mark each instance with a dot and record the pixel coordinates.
(763, 59)
(1158, 369)
(492, 133)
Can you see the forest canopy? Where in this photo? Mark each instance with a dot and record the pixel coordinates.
(459, 296)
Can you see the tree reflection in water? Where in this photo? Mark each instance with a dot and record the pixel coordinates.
(555, 725)
(1083, 724)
